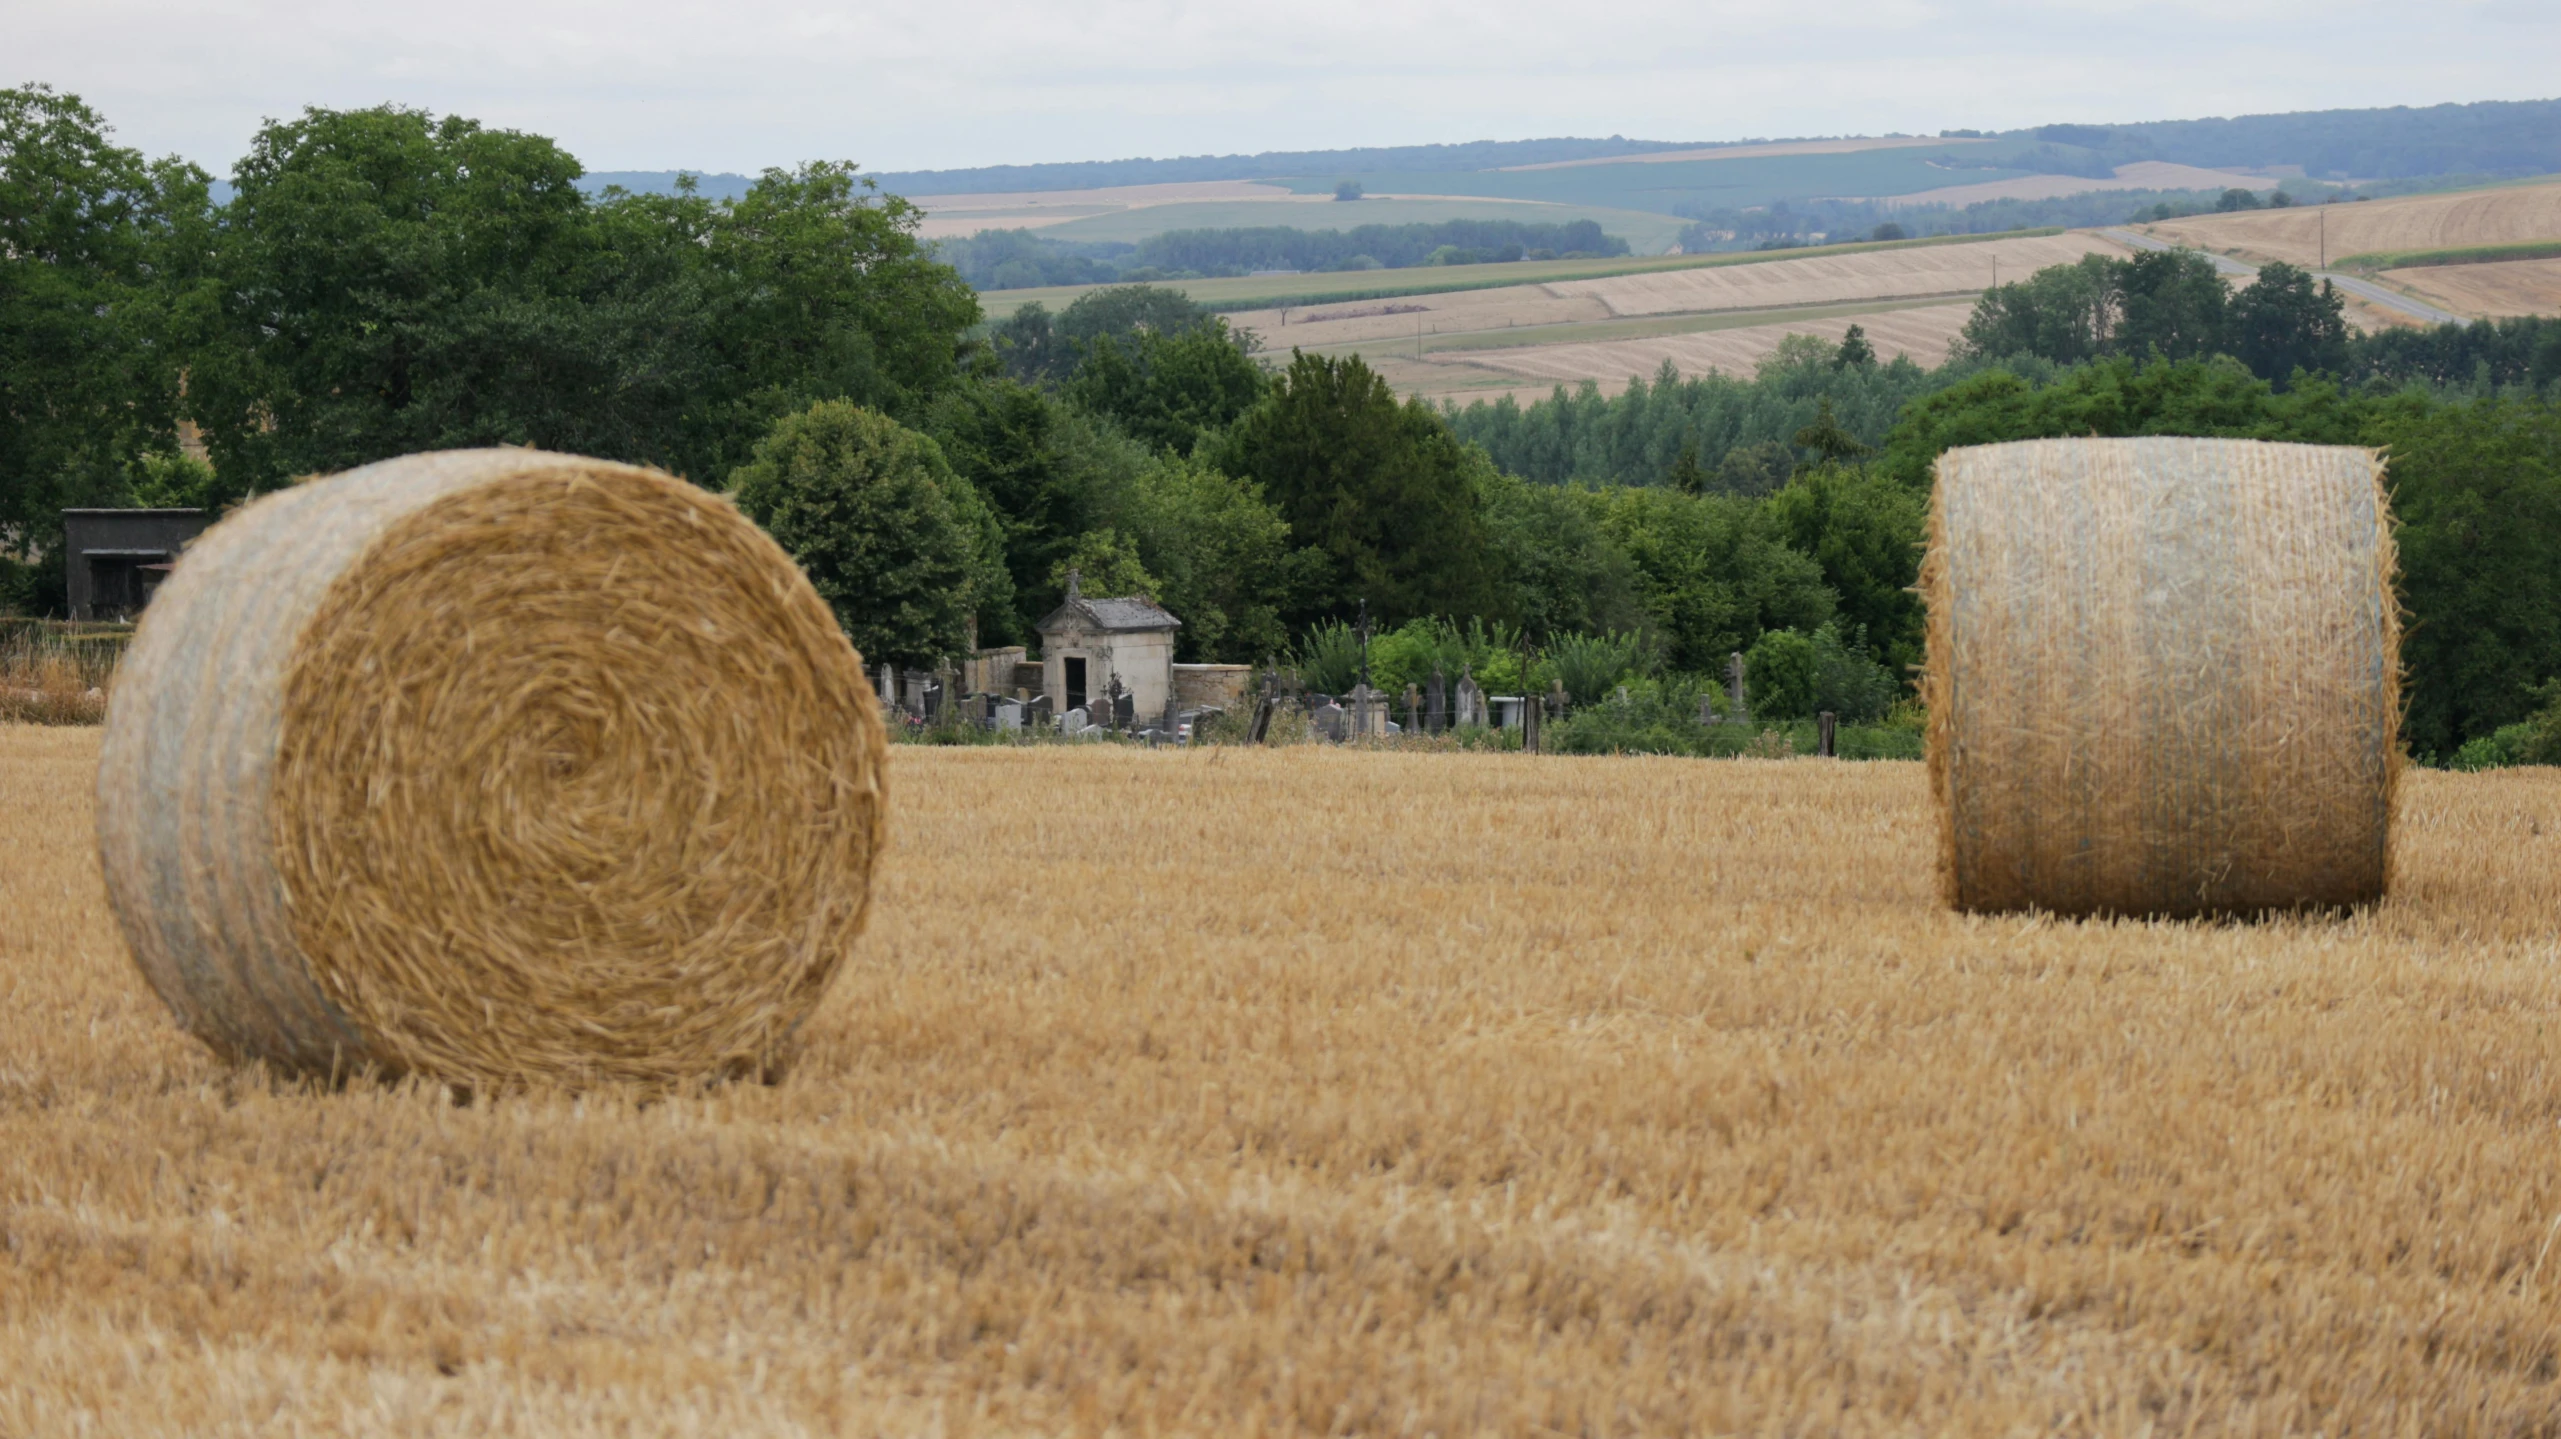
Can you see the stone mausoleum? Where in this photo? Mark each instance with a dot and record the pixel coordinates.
(1085, 644)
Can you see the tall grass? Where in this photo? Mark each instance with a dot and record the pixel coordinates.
(57, 674)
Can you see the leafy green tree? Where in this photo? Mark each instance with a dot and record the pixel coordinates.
(1855, 352)
(394, 282)
(2063, 313)
(2477, 489)
(824, 292)
(893, 540)
(1223, 556)
(2118, 397)
(2283, 323)
(1381, 489)
(1866, 532)
(2170, 303)
(1105, 565)
(1780, 673)
(1122, 312)
(1565, 573)
(1711, 573)
(1166, 390)
(1830, 443)
(100, 258)
(1044, 469)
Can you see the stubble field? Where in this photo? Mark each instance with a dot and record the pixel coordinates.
(1309, 1091)
(2504, 216)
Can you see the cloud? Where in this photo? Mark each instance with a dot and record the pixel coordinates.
(646, 84)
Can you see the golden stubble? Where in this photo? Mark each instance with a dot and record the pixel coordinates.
(1307, 1091)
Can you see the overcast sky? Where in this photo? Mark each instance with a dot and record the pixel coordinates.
(652, 84)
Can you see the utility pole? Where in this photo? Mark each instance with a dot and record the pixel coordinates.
(2325, 235)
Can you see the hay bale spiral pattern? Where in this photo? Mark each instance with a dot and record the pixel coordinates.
(2163, 676)
(495, 766)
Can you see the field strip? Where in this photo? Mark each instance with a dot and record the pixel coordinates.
(2497, 290)
(2140, 175)
(2310, 235)
(1641, 327)
(1924, 332)
(1269, 292)
(1752, 151)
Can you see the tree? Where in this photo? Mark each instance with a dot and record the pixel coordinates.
(1830, 443)
(1044, 469)
(100, 253)
(2476, 487)
(1855, 351)
(394, 281)
(1781, 673)
(2217, 397)
(2282, 323)
(1166, 390)
(884, 529)
(1866, 532)
(1381, 489)
(1711, 573)
(1221, 556)
(1565, 573)
(2063, 313)
(2169, 303)
(826, 292)
(1105, 565)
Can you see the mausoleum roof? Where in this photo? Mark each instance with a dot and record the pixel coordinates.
(1121, 615)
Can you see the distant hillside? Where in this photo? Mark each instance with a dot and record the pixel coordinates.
(2489, 139)
(2492, 137)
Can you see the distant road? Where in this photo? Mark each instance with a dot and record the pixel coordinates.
(2365, 290)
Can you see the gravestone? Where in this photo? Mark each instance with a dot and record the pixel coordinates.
(1009, 716)
(1413, 707)
(1735, 709)
(1436, 696)
(1074, 722)
(1471, 700)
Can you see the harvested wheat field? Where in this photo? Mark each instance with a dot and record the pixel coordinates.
(2455, 221)
(1311, 1091)
(1925, 333)
(2498, 289)
(1831, 279)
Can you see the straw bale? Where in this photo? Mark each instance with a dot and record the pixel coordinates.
(2163, 676)
(495, 766)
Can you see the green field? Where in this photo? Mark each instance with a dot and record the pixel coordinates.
(1334, 287)
(1645, 233)
(2471, 255)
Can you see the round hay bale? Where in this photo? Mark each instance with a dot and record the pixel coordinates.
(2163, 676)
(494, 766)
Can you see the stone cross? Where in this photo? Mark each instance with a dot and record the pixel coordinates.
(1436, 697)
(1735, 710)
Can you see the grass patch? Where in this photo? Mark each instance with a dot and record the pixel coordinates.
(2466, 255)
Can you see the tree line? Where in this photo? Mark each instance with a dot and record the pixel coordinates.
(1022, 259)
(383, 281)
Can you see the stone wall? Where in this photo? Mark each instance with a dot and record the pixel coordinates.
(1199, 686)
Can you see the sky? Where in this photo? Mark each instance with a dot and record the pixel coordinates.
(654, 85)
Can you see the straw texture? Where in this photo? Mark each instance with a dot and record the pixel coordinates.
(2163, 676)
(496, 766)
